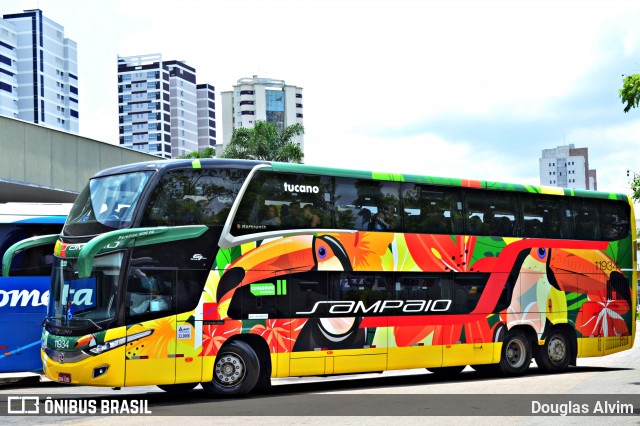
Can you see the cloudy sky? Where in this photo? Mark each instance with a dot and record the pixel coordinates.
(456, 88)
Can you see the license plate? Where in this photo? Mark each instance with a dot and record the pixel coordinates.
(64, 378)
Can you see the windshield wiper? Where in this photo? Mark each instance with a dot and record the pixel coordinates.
(47, 321)
(92, 322)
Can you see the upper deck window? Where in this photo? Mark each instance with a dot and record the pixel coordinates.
(432, 209)
(190, 197)
(282, 200)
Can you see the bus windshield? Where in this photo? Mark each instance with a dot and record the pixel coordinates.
(106, 203)
(84, 302)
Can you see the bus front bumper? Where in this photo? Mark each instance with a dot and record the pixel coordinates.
(76, 368)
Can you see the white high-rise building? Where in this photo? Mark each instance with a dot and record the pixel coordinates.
(567, 167)
(8, 69)
(264, 99)
(159, 109)
(38, 71)
(206, 116)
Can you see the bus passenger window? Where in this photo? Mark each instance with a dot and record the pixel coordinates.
(614, 219)
(367, 205)
(542, 215)
(363, 288)
(277, 190)
(491, 213)
(308, 292)
(585, 219)
(468, 288)
(425, 288)
(431, 209)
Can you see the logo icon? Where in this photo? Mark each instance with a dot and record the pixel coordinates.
(23, 405)
(198, 257)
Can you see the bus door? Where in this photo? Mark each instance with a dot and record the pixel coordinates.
(415, 332)
(151, 305)
(357, 297)
(329, 334)
(308, 297)
(472, 342)
(263, 307)
(188, 327)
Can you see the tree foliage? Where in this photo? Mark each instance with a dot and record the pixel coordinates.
(630, 95)
(630, 92)
(208, 152)
(265, 141)
(635, 188)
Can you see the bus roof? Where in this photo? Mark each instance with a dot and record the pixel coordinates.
(40, 213)
(35, 209)
(360, 174)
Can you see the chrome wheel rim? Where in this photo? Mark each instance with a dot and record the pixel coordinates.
(229, 369)
(556, 350)
(515, 353)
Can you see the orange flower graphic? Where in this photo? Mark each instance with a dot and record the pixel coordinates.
(214, 336)
(365, 249)
(280, 334)
(446, 334)
(159, 344)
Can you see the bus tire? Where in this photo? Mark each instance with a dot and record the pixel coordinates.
(515, 355)
(236, 370)
(446, 371)
(555, 355)
(178, 388)
(263, 385)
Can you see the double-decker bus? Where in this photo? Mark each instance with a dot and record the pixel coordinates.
(229, 273)
(25, 295)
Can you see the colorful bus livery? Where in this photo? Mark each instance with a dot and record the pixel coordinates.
(227, 273)
(25, 295)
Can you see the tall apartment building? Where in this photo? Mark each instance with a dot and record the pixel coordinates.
(162, 110)
(38, 71)
(206, 115)
(264, 99)
(567, 167)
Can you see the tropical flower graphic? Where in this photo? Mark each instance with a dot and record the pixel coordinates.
(214, 336)
(446, 334)
(280, 334)
(365, 249)
(447, 253)
(604, 318)
(159, 344)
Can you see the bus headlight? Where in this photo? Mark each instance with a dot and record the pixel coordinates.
(112, 344)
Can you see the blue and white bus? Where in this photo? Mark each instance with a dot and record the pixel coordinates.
(24, 296)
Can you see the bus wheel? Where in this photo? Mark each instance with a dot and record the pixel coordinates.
(516, 353)
(446, 371)
(236, 370)
(179, 388)
(554, 356)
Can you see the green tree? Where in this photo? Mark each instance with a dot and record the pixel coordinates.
(635, 186)
(208, 152)
(630, 92)
(630, 95)
(265, 141)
